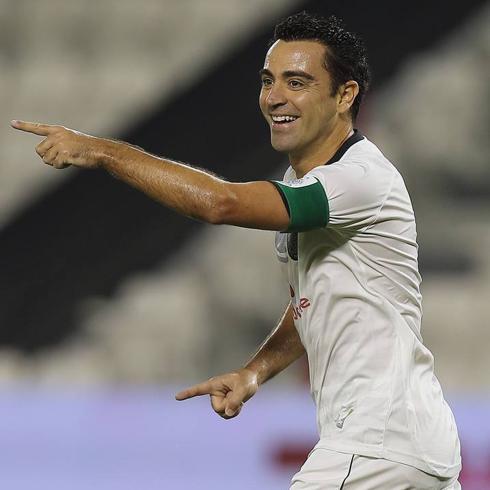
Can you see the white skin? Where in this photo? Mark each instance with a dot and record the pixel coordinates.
(294, 82)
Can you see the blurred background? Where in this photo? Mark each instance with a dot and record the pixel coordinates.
(109, 303)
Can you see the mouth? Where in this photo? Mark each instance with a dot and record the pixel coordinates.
(283, 121)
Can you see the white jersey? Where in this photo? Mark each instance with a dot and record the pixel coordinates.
(354, 288)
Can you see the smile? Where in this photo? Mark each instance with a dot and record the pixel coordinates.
(283, 122)
(283, 119)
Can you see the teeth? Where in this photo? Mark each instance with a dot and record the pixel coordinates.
(284, 118)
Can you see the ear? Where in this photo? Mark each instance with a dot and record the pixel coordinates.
(346, 95)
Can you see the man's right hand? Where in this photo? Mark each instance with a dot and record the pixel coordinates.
(228, 392)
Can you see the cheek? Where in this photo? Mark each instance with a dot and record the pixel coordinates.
(324, 111)
(262, 102)
(314, 107)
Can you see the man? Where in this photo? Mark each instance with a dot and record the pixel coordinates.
(348, 241)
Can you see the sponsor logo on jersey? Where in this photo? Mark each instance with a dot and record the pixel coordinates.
(298, 307)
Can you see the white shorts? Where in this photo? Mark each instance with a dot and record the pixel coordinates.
(330, 470)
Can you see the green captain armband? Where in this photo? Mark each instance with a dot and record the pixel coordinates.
(306, 202)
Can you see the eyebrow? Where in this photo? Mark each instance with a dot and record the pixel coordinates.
(288, 74)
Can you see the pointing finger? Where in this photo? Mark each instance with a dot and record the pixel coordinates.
(35, 128)
(196, 390)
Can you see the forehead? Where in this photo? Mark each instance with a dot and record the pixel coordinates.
(308, 56)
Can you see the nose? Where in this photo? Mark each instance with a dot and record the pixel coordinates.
(276, 96)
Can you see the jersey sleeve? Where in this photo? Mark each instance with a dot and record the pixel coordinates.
(345, 194)
(355, 192)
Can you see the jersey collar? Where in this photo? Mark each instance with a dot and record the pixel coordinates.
(351, 140)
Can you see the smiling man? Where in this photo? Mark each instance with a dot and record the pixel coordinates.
(305, 111)
(347, 239)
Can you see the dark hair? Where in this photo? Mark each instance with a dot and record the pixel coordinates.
(346, 57)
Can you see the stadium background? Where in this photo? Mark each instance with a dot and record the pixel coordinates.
(110, 303)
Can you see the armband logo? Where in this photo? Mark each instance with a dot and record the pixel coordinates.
(304, 182)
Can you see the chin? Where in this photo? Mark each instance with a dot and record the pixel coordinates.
(282, 146)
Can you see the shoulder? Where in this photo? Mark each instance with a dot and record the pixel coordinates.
(358, 184)
(362, 169)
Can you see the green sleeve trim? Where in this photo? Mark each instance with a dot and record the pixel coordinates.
(307, 205)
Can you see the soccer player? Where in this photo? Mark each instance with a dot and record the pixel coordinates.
(347, 238)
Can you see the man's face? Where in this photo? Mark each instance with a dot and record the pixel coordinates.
(295, 83)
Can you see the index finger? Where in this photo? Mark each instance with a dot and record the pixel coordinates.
(35, 128)
(204, 388)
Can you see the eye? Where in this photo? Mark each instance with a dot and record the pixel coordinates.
(266, 82)
(296, 84)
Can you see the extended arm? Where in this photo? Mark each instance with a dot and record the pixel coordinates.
(229, 391)
(189, 191)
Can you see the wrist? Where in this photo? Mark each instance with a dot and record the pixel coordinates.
(256, 371)
(108, 153)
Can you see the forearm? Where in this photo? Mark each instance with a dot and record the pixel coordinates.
(194, 192)
(188, 191)
(281, 348)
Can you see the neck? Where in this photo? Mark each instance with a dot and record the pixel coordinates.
(316, 155)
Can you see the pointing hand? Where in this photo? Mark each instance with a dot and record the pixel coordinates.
(228, 392)
(63, 147)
